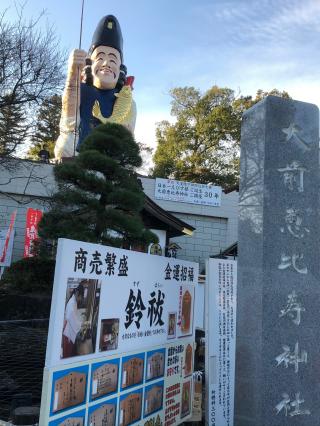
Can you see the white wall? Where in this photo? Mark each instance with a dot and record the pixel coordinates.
(30, 184)
(216, 227)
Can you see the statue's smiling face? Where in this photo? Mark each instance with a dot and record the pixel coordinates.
(106, 63)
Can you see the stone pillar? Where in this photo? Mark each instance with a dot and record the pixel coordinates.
(278, 312)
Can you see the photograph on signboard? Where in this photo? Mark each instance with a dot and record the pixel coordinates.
(104, 414)
(80, 317)
(172, 325)
(155, 420)
(188, 361)
(186, 399)
(186, 310)
(132, 370)
(155, 364)
(153, 398)
(130, 408)
(109, 333)
(68, 388)
(104, 378)
(74, 419)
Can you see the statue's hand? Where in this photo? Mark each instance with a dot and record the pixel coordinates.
(77, 60)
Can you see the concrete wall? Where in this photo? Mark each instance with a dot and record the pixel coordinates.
(208, 238)
(216, 227)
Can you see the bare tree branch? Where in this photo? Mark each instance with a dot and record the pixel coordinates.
(31, 65)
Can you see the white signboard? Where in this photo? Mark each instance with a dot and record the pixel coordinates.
(121, 335)
(221, 298)
(187, 192)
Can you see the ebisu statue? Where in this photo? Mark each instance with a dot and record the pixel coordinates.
(97, 89)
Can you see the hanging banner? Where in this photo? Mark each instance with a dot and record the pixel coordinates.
(32, 220)
(221, 301)
(6, 241)
(121, 338)
(8, 257)
(188, 192)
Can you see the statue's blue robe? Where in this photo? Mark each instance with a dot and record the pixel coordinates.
(88, 96)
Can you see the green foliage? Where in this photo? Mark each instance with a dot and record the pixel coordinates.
(203, 144)
(99, 198)
(274, 92)
(47, 127)
(32, 274)
(12, 128)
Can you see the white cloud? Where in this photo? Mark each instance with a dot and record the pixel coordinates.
(304, 90)
(245, 45)
(257, 23)
(145, 131)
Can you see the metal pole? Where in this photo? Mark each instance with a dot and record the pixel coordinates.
(78, 83)
(81, 21)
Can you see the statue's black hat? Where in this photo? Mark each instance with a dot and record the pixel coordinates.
(108, 33)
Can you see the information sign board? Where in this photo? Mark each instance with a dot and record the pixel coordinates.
(187, 192)
(221, 298)
(121, 338)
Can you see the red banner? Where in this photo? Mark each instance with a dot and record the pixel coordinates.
(33, 218)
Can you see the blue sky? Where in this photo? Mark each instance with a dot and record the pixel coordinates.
(242, 44)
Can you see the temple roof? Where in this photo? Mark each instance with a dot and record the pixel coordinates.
(156, 217)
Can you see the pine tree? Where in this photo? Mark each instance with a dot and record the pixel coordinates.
(47, 127)
(99, 196)
(12, 127)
